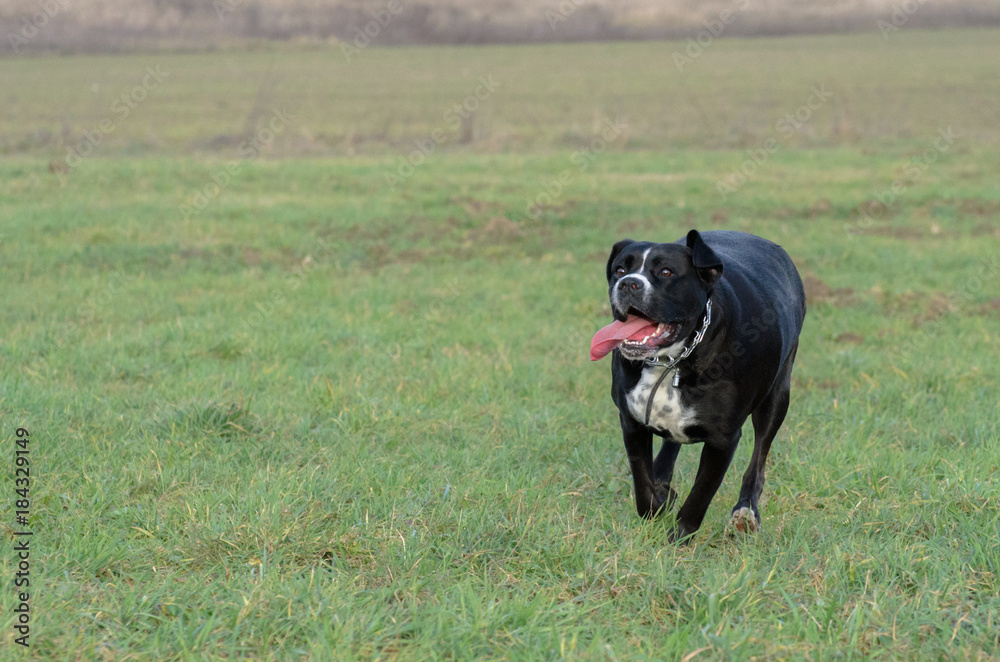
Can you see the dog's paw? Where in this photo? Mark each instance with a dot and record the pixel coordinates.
(680, 534)
(744, 521)
(665, 496)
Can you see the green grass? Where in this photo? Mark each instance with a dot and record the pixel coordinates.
(325, 418)
(549, 96)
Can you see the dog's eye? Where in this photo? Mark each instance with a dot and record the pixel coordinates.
(620, 271)
(666, 273)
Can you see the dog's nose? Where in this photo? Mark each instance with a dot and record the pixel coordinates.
(629, 284)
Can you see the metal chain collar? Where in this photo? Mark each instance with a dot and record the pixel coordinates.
(655, 360)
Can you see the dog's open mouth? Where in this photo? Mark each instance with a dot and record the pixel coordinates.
(637, 338)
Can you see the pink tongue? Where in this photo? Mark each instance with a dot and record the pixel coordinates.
(605, 340)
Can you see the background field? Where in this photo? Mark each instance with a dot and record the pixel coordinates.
(107, 26)
(319, 412)
(891, 95)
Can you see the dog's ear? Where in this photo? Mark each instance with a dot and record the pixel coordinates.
(706, 262)
(615, 250)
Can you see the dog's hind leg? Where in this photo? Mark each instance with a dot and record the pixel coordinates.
(716, 455)
(767, 419)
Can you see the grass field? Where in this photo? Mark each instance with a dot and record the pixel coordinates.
(321, 413)
(885, 93)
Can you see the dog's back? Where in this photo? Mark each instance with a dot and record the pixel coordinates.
(764, 287)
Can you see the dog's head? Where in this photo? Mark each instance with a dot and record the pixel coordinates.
(664, 284)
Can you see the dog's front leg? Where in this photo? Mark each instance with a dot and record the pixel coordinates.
(639, 447)
(663, 472)
(715, 459)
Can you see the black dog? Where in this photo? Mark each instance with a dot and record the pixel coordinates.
(706, 335)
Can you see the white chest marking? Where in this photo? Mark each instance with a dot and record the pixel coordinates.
(667, 414)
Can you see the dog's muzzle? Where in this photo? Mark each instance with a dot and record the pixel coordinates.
(631, 291)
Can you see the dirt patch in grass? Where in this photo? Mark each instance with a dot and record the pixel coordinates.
(978, 206)
(893, 303)
(655, 177)
(873, 209)
(251, 257)
(821, 207)
(986, 230)
(405, 308)
(474, 207)
(446, 238)
(938, 304)
(990, 307)
(923, 306)
(652, 229)
(497, 229)
(849, 337)
(414, 240)
(558, 209)
(375, 229)
(819, 292)
(422, 228)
